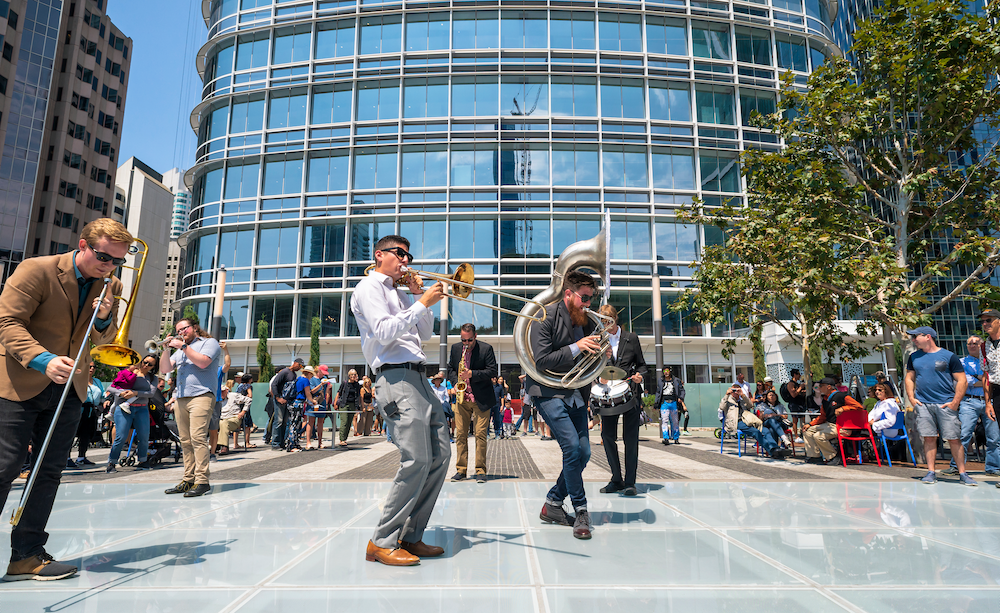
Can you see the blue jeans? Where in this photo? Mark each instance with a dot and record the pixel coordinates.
(776, 426)
(139, 420)
(970, 410)
(765, 439)
(278, 425)
(497, 415)
(669, 428)
(569, 427)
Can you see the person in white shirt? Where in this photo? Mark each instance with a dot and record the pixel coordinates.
(741, 381)
(392, 327)
(883, 415)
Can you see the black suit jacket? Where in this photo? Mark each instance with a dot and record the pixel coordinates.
(630, 357)
(550, 341)
(483, 364)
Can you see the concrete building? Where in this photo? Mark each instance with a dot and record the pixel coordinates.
(62, 131)
(148, 207)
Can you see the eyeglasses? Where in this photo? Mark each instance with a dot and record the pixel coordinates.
(106, 257)
(183, 330)
(468, 340)
(584, 299)
(400, 253)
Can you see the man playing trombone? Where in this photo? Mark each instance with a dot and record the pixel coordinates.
(45, 309)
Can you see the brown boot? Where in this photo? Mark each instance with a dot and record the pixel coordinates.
(390, 557)
(422, 550)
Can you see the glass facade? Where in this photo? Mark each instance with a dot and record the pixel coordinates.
(29, 91)
(483, 134)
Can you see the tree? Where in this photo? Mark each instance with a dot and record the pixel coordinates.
(190, 315)
(888, 179)
(314, 355)
(263, 357)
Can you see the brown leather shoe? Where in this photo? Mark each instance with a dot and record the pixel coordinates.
(421, 549)
(390, 557)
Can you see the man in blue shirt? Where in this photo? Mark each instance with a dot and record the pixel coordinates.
(973, 408)
(935, 384)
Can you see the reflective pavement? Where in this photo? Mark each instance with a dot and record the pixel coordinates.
(679, 546)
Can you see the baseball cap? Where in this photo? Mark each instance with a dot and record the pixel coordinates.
(989, 313)
(768, 380)
(323, 370)
(299, 361)
(923, 330)
(828, 381)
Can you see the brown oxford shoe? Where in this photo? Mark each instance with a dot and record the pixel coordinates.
(390, 557)
(421, 549)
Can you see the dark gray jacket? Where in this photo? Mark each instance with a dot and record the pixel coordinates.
(550, 341)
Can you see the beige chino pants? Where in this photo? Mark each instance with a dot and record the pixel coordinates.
(193, 415)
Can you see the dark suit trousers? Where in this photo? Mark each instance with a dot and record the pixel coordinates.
(24, 422)
(630, 434)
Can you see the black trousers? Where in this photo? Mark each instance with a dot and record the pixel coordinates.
(85, 431)
(23, 422)
(630, 434)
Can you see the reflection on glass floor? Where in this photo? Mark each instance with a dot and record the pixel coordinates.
(703, 546)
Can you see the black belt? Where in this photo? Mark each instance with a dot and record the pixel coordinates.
(405, 365)
(974, 396)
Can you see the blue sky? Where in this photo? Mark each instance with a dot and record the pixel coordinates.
(163, 82)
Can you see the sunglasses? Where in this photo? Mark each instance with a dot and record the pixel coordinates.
(468, 340)
(400, 253)
(106, 257)
(584, 299)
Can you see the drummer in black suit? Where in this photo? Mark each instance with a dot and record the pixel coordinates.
(626, 354)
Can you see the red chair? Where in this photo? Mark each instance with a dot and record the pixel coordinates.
(856, 419)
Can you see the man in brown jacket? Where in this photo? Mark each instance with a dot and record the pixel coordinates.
(45, 309)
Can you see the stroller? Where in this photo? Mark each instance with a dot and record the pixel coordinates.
(163, 440)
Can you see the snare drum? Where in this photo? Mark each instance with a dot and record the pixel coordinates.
(612, 398)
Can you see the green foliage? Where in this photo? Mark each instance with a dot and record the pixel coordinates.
(863, 212)
(314, 356)
(759, 364)
(263, 357)
(190, 315)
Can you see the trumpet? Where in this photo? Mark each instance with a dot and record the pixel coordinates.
(154, 345)
(461, 282)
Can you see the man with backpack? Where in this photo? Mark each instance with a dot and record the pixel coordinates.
(283, 393)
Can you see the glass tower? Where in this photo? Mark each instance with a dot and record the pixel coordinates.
(484, 132)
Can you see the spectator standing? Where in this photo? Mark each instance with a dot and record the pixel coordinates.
(316, 414)
(443, 394)
(347, 400)
(744, 386)
(935, 385)
(366, 413)
(990, 350)
(88, 418)
(213, 424)
(303, 399)
(283, 393)
(137, 415)
(793, 394)
(670, 393)
(527, 411)
(197, 359)
(972, 409)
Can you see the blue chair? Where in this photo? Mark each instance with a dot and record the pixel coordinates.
(741, 442)
(900, 425)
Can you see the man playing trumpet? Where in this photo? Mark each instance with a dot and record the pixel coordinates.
(45, 309)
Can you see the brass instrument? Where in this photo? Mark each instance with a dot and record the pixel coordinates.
(590, 254)
(461, 386)
(118, 353)
(154, 345)
(461, 282)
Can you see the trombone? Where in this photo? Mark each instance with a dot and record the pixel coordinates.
(462, 285)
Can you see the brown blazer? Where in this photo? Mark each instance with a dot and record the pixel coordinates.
(37, 314)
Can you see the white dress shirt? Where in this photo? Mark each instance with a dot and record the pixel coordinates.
(617, 336)
(392, 325)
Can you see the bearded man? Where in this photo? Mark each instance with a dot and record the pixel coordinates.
(556, 342)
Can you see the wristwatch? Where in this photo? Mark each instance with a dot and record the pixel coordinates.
(184, 346)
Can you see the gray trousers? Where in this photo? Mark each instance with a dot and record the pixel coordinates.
(417, 424)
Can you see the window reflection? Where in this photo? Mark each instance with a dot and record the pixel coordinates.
(277, 312)
(720, 172)
(673, 168)
(234, 318)
(427, 238)
(424, 166)
(630, 240)
(676, 241)
(524, 165)
(427, 31)
(328, 172)
(335, 39)
(326, 307)
(624, 166)
(324, 242)
(572, 30)
(474, 96)
(236, 248)
(277, 246)
(710, 40)
(574, 96)
(524, 96)
(472, 238)
(565, 232)
(524, 238)
(476, 165)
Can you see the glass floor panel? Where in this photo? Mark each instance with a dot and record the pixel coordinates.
(817, 547)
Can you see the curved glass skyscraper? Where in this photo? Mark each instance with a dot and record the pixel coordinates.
(495, 133)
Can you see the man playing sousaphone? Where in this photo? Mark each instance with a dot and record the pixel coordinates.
(45, 310)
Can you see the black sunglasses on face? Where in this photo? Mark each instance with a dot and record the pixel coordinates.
(584, 299)
(106, 257)
(401, 253)
(468, 340)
